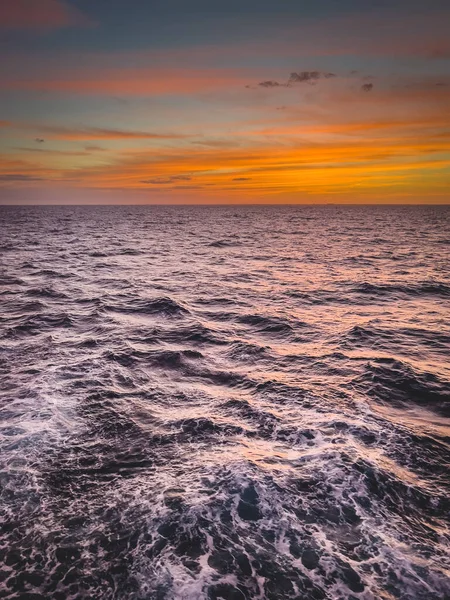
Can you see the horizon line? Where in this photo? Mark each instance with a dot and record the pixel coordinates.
(203, 205)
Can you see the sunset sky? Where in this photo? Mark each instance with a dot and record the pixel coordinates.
(207, 101)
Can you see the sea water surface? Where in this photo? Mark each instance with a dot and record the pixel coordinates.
(225, 402)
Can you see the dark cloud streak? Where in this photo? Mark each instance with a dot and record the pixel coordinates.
(310, 77)
(271, 84)
(167, 180)
(97, 133)
(18, 177)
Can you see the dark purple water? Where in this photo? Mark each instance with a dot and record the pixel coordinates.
(222, 402)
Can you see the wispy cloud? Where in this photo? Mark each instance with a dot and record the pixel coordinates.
(39, 14)
(94, 133)
(93, 148)
(167, 180)
(216, 143)
(50, 151)
(110, 80)
(18, 177)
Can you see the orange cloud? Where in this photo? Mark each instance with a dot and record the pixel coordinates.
(337, 141)
(359, 127)
(361, 166)
(45, 14)
(14, 171)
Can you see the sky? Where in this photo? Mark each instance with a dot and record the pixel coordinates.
(213, 101)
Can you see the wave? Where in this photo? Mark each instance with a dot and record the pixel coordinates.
(364, 292)
(213, 301)
(16, 309)
(154, 306)
(168, 359)
(52, 273)
(7, 280)
(7, 247)
(45, 292)
(406, 339)
(182, 362)
(264, 324)
(244, 351)
(224, 244)
(263, 423)
(130, 252)
(194, 333)
(417, 289)
(40, 323)
(201, 426)
(393, 381)
(318, 297)
(403, 498)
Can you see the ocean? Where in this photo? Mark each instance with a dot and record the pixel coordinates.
(236, 402)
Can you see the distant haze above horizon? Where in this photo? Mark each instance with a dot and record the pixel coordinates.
(201, 102)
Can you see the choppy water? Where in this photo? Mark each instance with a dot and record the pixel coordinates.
(204, 403)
